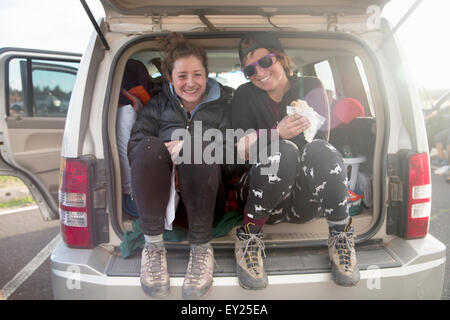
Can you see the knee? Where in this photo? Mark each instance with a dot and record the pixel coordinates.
(149, 149)
(282, 162)
(319, 145)
(320, 151)
(288, 147)
(288, 153)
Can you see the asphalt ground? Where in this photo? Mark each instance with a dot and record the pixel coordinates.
(440, 222)
(22, 236)
(26, 242)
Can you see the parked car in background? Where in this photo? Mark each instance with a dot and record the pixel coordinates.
(47, 103)
(437, 118)
(17, 107)
(328, 40)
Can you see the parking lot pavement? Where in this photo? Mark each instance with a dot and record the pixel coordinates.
(25, 242)
(25, 265)
(440, 222)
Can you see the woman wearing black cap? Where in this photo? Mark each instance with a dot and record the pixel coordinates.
(309, 178)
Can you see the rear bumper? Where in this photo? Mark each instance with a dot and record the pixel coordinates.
(81, 274)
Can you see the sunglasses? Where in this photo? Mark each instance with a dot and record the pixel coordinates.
(265, 62)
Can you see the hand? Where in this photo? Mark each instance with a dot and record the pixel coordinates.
(299, 103)
(291, 126)
(244, 144)
(174, 148)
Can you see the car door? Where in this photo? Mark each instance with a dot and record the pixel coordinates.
(35, 92)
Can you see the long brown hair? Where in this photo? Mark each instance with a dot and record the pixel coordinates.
(176, 47)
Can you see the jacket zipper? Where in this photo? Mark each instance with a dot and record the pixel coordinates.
(188, 123)
(189, 118)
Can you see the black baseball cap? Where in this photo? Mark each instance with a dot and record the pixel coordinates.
(258, 40)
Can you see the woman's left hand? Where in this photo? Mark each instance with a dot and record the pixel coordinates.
(245, 143)
(291, 126)
(174, 148)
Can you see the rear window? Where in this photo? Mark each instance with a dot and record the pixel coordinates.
(342, 73)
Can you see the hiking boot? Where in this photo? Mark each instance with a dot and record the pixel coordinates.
(248, 252)
(154, 275)
(341, 248)
(199, 273)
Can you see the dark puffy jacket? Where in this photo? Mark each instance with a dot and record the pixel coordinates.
(251, 108)
(164, 114)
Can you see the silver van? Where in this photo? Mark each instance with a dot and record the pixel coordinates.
(344, 43)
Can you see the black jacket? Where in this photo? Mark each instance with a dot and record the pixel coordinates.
(251, 110)
(164, 114)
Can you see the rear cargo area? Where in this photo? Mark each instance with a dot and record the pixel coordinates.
(346, 71)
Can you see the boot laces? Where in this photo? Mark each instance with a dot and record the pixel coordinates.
(252, 242)
(197, 264)
(342, 242)
(154, 263)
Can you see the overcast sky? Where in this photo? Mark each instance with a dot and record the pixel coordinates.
(63, 25)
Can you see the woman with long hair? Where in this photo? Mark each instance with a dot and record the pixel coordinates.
(155, 149)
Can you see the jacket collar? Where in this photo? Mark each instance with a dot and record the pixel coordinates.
(212, 92)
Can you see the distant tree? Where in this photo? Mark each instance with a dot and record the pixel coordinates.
(58, 93)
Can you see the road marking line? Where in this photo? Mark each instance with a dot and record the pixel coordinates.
(18, 210)
(28, 270)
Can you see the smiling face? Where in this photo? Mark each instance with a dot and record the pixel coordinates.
(189, 81)
(273, 80)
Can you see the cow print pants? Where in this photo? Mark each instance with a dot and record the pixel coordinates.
(307, 182)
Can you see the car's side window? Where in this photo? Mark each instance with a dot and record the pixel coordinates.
(17, 105)
(325, 74)
(40, 88)
(365, 82)
(345, 76)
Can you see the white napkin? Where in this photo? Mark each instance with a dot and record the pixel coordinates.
(173, 203)
(306, 111)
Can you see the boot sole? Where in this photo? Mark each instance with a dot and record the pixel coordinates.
(156, 292)
(342, 280)
(194, 295)
(259, 285)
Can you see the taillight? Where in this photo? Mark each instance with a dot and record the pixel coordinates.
(419, 200)
(75, 211)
